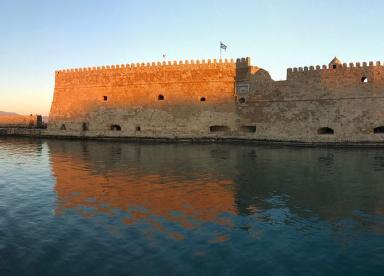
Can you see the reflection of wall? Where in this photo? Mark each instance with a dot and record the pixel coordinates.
(125, 181)
(203, 181)
(332, 184)
(20, 147)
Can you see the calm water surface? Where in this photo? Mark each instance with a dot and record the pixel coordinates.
(103, 208)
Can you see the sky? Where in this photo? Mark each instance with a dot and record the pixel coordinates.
(40, 36)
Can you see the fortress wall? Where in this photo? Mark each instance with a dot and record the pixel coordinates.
(312, 99)
(320, 84)
(350, 74)
(351, 120)
(133, 98)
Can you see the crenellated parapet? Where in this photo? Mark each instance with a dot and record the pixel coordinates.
(167, 64)
(154, 72)
(342, 67)
(220, 99)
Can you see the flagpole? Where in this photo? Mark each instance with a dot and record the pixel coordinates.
(220, 49)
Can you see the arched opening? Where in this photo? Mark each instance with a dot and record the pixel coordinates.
(248, 129)
(202, 99)
(364, 79)
(242, 100)
(84, 126)
(218, 128)
(160, 97)
(334, 66)
(138, 128)
(63, 127)
(105, 98)
(325, 131)
(378, 130)
(115, 127)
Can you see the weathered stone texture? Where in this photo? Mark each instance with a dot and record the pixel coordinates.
(240, 101)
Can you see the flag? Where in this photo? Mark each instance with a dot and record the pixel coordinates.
(223, 46)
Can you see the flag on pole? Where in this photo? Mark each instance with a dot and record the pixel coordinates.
(223, 46)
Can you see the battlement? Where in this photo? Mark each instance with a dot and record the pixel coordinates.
(333, 67)
(241, 62)
(221, 99)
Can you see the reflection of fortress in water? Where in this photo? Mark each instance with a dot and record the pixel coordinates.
(197, 184)
(134, 179)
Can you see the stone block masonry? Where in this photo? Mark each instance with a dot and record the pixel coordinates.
(221, 99)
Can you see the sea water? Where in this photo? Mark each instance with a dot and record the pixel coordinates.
(115, 208)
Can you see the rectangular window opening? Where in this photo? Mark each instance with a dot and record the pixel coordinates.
(218, 128)
(248, 129)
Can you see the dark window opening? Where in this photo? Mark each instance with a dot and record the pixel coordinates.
(138, 128)
(242, 100)
(203, 99)
(161, 97)
(378, 130)
(364, 79)
(116, 127)
(218, 128)
(334, 66)
(84, 126)
(63, 127)
(105, 98)
(248, 129)
(325, 131)
(39, 121)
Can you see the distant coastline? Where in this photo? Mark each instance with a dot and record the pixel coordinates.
(3, 113)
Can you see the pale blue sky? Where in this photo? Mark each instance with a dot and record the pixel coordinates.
(38, 37)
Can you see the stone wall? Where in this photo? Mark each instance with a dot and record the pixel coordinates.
(170, 100)
(221, 99)
(314, 101)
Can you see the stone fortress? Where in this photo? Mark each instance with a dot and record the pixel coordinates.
(219, 100)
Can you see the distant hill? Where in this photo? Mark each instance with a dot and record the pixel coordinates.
(7, 113)
(4, 113)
